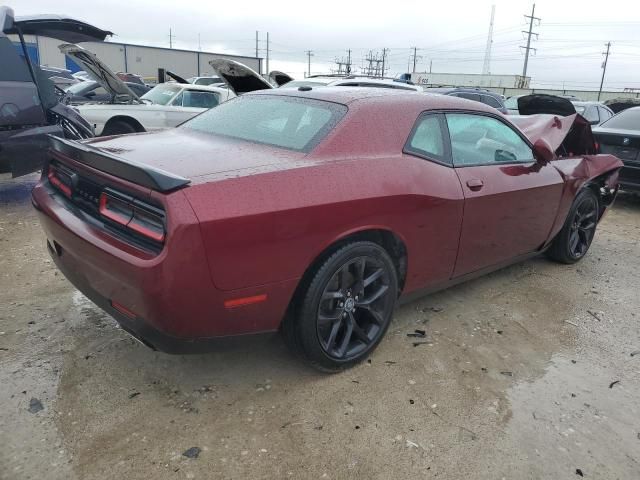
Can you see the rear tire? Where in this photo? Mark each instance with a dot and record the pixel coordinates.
(573, 241)
(342, 314)
(119, 127)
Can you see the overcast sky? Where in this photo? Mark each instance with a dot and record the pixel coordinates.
(450, 34)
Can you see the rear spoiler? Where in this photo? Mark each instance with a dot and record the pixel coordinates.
(138, 173)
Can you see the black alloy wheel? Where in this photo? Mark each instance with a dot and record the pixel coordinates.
(353, 308)
(343, 313)
(583, 227)
(573, 241)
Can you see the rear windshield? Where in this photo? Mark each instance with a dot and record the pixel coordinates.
(625, 120)
(161, 94)
(286, 122)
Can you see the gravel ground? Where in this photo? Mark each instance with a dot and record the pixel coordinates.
(530, 372)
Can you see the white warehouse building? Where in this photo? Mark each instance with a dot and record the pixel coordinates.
(139, 59)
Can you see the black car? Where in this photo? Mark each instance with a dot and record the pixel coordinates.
(620, 136)
(477, 94)
(30, 109)
(92, 91)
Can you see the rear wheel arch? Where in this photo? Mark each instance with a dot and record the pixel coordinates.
(113, 123)
(394, 245)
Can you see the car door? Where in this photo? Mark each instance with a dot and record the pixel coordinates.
(511, 199)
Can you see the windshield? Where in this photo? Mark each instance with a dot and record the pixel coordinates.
(286, 122)
(161, 94)
(625, 120)
(304, 83)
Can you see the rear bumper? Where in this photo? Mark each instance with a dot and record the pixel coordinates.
(169, 300)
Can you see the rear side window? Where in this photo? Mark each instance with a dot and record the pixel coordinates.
(625, 120)
(427, 138)
(286, 122)
(604, 114)
(492, 102)
(469, 96)
(591, 114)
(482, 140)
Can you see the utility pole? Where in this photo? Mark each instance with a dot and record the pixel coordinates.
(486, 68)
(349, 62)
(199, 44)
(415, 58)
(604, 68)
(529, 33)
(430, 65)
(309, 55)
(384, 56)
(267, 72)
(170, 38)
(257, 44)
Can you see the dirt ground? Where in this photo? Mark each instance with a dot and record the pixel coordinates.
(532, 372)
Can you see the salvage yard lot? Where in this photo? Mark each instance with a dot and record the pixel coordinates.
(530, 372)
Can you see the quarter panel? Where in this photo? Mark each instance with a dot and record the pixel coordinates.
(270, 227)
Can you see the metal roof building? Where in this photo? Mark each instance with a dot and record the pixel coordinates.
(139, 59)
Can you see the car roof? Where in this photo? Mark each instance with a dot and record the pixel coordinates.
(191, 86)
(389, 96)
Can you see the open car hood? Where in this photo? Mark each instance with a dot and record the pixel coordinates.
(539, 103)
(279, 78)
(59, 27)
(98, 71)
(175, 76)
(567, 136)
(239, 77)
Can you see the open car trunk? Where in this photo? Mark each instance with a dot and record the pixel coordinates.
(29, 107)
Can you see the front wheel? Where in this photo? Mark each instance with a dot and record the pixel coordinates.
(344, 312)
(574, 240)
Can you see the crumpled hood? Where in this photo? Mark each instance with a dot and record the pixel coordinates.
(557, 131)
(191, 154)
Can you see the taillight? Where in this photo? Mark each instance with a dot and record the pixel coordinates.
(137, 216)
(59, 180)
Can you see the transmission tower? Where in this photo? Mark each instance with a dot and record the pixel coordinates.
(486, 68)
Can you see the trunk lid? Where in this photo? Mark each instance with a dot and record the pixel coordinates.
(170, 159)
(60, 27)
(624, 144)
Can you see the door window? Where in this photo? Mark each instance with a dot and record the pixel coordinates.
(427, 138)
(482, 140)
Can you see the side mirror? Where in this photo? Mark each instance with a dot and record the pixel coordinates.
(542, 151)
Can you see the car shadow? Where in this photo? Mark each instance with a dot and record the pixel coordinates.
(17, 190)
(628, 200)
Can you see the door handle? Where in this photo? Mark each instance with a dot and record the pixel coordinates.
(475, 184)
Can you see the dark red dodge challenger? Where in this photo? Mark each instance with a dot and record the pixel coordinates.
(313, 211)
